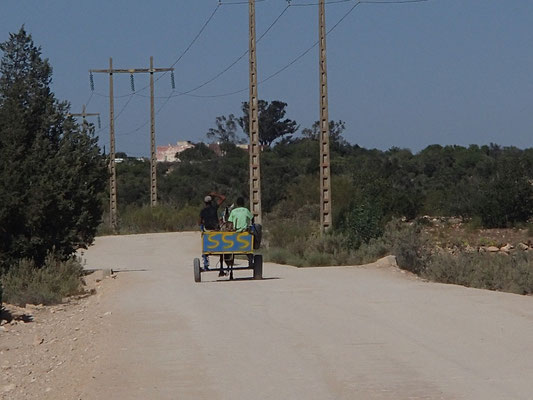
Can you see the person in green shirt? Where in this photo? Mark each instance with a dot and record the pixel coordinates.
(240, 217)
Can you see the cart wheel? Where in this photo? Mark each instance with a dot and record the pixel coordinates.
(258, 266)
(197, 276)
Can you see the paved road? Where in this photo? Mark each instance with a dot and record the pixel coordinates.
(325, 333)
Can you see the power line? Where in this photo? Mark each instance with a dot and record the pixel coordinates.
(167, 98)
(89, 99)
(124, 106)
(362, 2)
(233, 63)
(196, 37)
(239, 2)
(146, 122)
(316, 4)
(279, 71)
(305, 52)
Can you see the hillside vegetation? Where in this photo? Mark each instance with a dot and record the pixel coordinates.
(380, 200)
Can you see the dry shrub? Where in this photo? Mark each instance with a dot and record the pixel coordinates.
(509, 273)
(25, 283)
(409, 244)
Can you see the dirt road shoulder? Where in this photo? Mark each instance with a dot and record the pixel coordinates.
(52, 352)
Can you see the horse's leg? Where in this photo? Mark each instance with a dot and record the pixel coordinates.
(221, 273)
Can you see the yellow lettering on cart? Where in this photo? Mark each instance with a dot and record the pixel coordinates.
(230, 243)
(242, 240)
(214, 242)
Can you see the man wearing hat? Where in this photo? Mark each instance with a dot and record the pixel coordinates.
(209, 216)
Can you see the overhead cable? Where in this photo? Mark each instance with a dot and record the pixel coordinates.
(305, 52)
(233, 63)
(292, 62)
(202, 29)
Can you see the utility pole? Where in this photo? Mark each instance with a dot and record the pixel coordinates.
(112, 169)
(84, 115)
(325, 173)
(255, 150)
(153, 160)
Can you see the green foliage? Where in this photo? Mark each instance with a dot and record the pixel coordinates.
(372, 251)
(509, 273)
(272, 122)
(225, 131)
(49, 284)
(362, 223)
(507, 197)
(296, 240)
(488, 184)
(188, 182)
(200, 152)
(162, 218)
(51, 171)
(474, 224)
(336, 128)
(410, 246)
(133, 182)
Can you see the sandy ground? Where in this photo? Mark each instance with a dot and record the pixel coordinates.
(51, 352)
(368, 332)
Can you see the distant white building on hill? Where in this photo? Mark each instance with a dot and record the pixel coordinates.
(168, 153)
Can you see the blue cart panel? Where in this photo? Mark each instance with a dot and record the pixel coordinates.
(227, 243)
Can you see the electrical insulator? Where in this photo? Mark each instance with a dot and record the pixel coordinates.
(172, 81)
(91, 81)
(132, 83)
(99, 123)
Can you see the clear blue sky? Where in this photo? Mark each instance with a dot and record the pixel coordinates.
(406, 75)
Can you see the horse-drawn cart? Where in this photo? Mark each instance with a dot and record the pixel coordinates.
(227, 245)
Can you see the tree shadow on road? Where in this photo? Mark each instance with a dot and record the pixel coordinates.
(8, 316)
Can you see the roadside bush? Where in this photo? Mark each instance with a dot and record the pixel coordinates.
(506, 199)
(277, 255)
(25, 283)
(301, 245)
(509, 273)
(409, 244)
(162, 218)
(371, 251)
(362, 223)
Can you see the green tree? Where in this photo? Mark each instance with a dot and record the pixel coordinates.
(200, 152)
(272, 122)
(336, 128)
(225, 131)
(361, 223)
(51, 173)
(507, 197)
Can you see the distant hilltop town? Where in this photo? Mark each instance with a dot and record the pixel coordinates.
(169, 153)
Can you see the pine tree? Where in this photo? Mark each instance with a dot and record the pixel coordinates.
(51, 172)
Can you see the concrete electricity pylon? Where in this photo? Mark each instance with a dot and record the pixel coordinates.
(112, 169)
(325, 173)
(255, 149)
(153, 160)
(84, 116)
